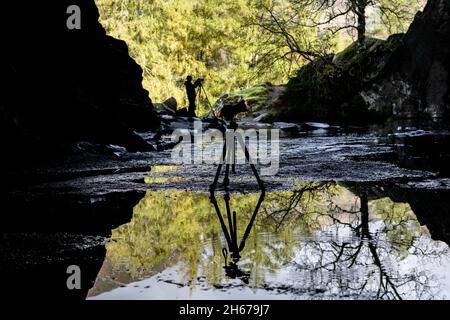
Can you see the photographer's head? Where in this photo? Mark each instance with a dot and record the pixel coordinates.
(189, 78)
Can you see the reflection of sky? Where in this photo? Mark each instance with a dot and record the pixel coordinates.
(423, 274)
(438, 268)
(424, 271)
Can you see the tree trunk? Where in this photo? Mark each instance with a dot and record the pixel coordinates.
(361, 26)
(365, 232)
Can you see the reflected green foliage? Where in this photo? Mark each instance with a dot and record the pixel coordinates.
(164, 228)
(304, 207)
(181, 228)
(401, 225)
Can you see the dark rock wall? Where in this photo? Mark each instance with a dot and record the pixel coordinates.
(425, 58)
(62, 85)
(416, 83)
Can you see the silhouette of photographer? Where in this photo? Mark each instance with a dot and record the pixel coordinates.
(192, 93)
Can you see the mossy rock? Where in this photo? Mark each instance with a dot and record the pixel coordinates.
(327, 89)
(257, 97)
(353, 54)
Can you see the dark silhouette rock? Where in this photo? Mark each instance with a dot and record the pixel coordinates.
(172, 104)
(229, 111)
(62, 85)
(423, 64)
(46, 233)
(183, 112)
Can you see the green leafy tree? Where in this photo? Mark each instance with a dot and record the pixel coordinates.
(236, 44)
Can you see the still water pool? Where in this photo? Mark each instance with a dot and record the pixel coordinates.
(319, 240)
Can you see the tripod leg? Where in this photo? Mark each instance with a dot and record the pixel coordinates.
(228, 154)
(213, 199)
(206, 96)
(258, 179)
(236, 251)
(233, 167)
(222, 222)
(213, 187)
(252, 166)
(226, 180)
(252, 221)
(227, 198)
(230, 222)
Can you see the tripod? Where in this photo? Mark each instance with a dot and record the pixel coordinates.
(201, 92)
(230, 233)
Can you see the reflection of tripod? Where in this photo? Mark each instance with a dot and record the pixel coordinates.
(201, 93)
(230, 233)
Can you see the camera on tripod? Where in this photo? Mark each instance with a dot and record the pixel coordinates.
(200, 81)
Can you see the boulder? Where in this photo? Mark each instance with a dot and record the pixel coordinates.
(308, 126)
(171, 104)
(163, 109)
(329, 89)
(183, 112)
(286, 127)
(261, 117)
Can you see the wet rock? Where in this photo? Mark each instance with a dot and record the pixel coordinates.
(163, 109)
(244, 125)
(425, 150)
(179, 123)
(307, 126)
(261, 117)
(286, 127)
(171, 104)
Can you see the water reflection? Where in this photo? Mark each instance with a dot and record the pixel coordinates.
(230, 232)
(376, 247)
(322, 240)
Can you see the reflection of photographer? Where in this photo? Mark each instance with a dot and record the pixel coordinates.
(192, 93)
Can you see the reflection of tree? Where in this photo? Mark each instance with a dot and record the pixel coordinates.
(174, 227)
(369, 256)
(298, 206)
(167, 228)
(342, 248)
(350, 253)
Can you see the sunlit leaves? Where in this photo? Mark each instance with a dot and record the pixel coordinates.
(228, 42)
